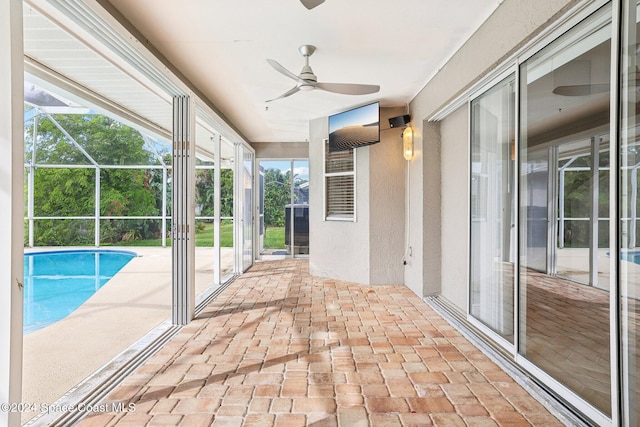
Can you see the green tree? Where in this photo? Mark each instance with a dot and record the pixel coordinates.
(277, 194)
(70, 191)
(205, 187)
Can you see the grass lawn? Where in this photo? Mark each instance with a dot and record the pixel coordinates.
(204, 237)
(274, 238)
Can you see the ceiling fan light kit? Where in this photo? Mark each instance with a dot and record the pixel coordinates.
(307, 80)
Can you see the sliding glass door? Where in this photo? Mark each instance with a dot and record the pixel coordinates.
(627, 227)
(247, 208)
(575, 269)
(284, 207)
(564, 315)
(493, 208)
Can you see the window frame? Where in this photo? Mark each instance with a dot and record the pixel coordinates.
(351, 173)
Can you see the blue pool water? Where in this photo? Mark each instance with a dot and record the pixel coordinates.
(58, 282)
(632, 256)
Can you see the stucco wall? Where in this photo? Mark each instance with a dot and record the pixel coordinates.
(430, 182)
(455, 197)
(337, 249)
(370, 250)
(509, 27)
(387, 203)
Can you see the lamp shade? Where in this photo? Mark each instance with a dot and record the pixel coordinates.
(407, 143)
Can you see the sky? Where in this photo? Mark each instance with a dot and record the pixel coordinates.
(300, 167)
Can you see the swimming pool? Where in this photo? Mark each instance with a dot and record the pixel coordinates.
(632, 256)
(58, 282)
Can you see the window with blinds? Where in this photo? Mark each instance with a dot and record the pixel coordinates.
(339, 184)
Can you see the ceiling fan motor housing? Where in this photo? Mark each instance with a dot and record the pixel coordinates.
(307, 74)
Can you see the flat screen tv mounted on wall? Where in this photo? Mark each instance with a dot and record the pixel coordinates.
(354, 128)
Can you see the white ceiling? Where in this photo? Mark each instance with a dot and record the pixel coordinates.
(222, 47)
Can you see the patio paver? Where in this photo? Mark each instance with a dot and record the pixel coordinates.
(280, 347)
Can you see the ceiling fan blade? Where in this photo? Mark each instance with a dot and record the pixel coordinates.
(310, 4)
(348, 88)
(287, 93)
(581, 90)
(276, 65)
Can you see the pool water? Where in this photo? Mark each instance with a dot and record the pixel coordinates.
(58, 282)
(632, 256)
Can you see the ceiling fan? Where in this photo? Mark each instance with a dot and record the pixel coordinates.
(310, 4)
(574, 79)
(581, 90)
(307, 81)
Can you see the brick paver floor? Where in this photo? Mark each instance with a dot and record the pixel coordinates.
(282, 348)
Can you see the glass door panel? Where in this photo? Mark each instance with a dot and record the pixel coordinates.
(276, 195)
(628, 207)
(205, 188)
(299, 219)
(247, 209)
(564, 321)
(492, 208)
(284, 207)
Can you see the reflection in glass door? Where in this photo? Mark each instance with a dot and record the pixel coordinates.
(284, 207)
(628, 204)
(564, 322)
(583, 211)
(534, 196)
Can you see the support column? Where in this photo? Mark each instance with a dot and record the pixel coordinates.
(183, 212)
(96, 210)
(238, 218)
(12, 202)
(217, 253)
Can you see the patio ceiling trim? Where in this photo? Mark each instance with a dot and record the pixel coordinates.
(94, 26)
(50, 79)
(95, 31)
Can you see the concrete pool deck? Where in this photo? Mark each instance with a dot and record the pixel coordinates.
(133, 302)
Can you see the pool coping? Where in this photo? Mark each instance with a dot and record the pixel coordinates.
(92, 391)
(58, 358)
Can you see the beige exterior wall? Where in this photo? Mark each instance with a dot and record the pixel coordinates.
(455, 207)
(387, 203)
(369, 250)
(336, 249)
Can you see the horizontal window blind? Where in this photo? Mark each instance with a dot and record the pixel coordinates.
(339, 161)
(340, 202)
(339, 184)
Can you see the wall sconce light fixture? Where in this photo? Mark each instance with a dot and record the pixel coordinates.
(407, 143)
